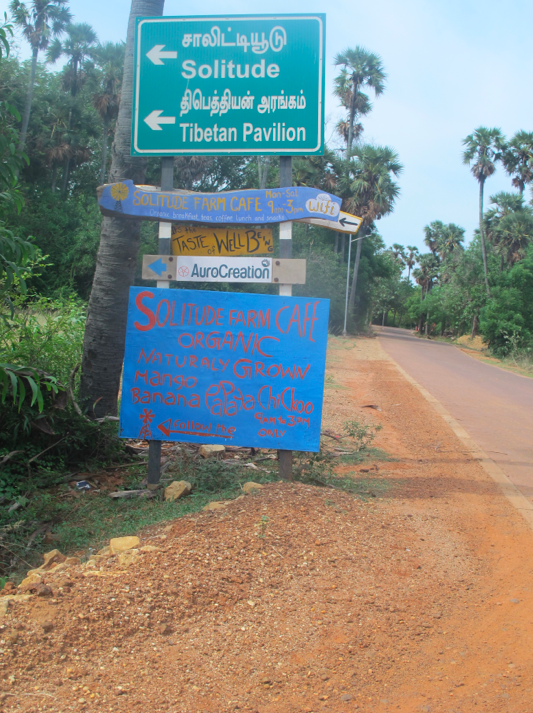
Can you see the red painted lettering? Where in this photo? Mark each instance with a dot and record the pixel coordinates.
(148, 312)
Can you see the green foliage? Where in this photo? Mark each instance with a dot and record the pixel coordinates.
(361, 434)
(507, 318)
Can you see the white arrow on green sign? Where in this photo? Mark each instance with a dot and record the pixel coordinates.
(229, 85)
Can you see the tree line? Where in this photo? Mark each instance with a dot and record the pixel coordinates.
(487, 286)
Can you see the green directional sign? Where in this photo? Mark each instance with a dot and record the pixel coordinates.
(229, 85)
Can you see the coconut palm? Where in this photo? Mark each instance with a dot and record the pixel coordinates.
(40, 21)
(361, 68)
(482, 149)
(411, 259)
(105, 332)
(110, 59)
(517, 159)
(369, 191)
(79, 47)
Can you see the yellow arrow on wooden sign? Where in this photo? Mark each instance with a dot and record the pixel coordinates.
(200, 240)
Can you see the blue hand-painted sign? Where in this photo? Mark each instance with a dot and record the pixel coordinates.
(255, 207)
(215, 367)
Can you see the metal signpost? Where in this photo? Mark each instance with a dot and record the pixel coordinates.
(352, 240)
(237, 85)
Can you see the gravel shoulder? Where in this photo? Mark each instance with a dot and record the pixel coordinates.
(414, 596)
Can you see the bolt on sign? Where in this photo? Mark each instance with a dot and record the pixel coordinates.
(218, 367)
(204, 240)
(229, 85)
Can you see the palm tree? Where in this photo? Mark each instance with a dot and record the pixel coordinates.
(398, 253)
(80, 48)
(443, 239)
(509, 227)
(434, 236)
(369, 191)
(515, 235)
(452, 239)
(105, 332)
(40, 21)
(343, 89)
(517, 159)
(110, 59)
(361, 68)
(483, 148)
(411, 259)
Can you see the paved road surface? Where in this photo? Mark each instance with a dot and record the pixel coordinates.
(494, 406)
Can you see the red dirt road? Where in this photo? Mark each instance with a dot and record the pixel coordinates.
(494, 406)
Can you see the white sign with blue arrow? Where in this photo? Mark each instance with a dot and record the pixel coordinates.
(159, 267)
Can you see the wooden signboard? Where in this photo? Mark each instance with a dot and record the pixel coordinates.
(246, 207)
(194, 268)
(220, 242)
(347, 223)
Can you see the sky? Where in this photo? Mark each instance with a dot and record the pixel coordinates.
(452, 65)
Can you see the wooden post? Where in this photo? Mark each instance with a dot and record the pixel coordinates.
(165, 229)
(285, 251)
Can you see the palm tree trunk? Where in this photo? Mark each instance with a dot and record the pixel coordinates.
(104, 150)
(29, 98)
(336, 243)
(482, 235)
(352, 120)
(105, 333)
(343, 245)
(355, 272)
(54, 178)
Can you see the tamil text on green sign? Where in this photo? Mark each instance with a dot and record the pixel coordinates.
(229, 85)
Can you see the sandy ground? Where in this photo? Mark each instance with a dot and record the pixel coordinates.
(417, 597)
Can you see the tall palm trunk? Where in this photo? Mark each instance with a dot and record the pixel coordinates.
(353, 100)
(105, 333)
(482, 235)
(104, 149)
(29, 98)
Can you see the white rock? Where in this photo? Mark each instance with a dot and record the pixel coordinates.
(208, 451)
